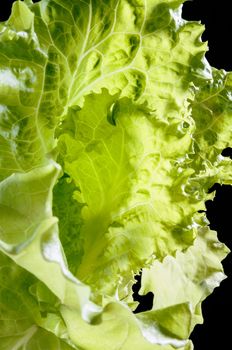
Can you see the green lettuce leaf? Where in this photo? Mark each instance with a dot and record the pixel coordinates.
(27, 119)
(112, 125)
(68, 209)
(212, 112)
(23, 307)
(120, 192)
(192, 275)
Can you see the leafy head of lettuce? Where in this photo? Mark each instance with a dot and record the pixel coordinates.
(112, 125)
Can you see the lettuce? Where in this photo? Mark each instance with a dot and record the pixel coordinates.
(112, 125)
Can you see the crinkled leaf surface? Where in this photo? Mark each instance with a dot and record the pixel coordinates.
(119, 190)
(112, 125)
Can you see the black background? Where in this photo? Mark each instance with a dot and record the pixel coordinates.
(215, 333)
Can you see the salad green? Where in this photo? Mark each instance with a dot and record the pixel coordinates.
(112, 125)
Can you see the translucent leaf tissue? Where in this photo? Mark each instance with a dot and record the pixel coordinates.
(112, 125)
